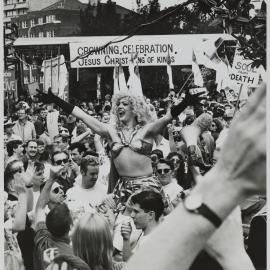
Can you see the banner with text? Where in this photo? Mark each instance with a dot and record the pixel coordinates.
(242, 72)
(152, 50)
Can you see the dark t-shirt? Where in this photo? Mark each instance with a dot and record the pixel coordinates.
(44, 240)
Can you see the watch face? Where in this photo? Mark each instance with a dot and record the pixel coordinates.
(193, 202)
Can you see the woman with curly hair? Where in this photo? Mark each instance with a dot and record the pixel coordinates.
(130, 139)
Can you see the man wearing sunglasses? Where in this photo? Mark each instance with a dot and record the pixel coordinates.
(165, 176)
(60, 162)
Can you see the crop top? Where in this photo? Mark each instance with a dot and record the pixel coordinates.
(140, 146)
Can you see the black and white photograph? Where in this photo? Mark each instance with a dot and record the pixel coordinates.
(134, 134)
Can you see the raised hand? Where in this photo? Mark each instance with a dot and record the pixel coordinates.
(193, 97)
(46, 97)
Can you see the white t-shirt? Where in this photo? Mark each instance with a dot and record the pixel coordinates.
(172, 190)
(78, 196)
(140, 242)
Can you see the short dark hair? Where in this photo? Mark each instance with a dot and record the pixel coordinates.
(172, 154)
(80, 146)
(13, 145)
(88, 161)
(56, 153)
(90, 153)
(166, 161)
(40, 142)
(149, 200)
(59, 220)
(32, 140)
(157, 152)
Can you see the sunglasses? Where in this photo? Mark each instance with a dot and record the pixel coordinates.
(19, 170)
(164, 171)
(57, 190)
(59, 162)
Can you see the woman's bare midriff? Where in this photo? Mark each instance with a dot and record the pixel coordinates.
(130, 163)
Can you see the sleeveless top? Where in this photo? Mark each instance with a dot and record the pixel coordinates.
(140, 146)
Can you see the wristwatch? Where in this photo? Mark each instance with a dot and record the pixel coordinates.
(194, 204)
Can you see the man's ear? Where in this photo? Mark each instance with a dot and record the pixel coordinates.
(152, 215)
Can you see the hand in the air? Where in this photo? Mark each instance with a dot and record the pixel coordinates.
(45, 97)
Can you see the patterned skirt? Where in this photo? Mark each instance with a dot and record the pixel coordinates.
(127, 186)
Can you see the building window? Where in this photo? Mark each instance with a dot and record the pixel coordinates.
(53, 33)
(9, 2)
(11, 13)
(48, 34)
(32, 22)
(50, 18)
(40, 20)
(24, 24)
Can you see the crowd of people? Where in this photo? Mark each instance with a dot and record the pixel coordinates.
(113, 184)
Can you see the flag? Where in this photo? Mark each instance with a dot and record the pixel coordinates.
(122, 80)
(134, 81)
(116, 89)
(198, 79)
(169, 72)
(55, 76)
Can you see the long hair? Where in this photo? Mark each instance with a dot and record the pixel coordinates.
(12, 262)
(138, 105)
(92, 241)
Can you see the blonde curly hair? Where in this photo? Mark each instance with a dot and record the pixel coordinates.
(138, 105)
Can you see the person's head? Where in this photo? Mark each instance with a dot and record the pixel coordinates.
(156, 154)
(89, 170)
(92, 241)
(60, 141)
(13, 170)
(38, 176)
(105, 117)
(31, 148)
(76, 151)
(165, 171)
(22, 114)
(59, 158)
(59, 220)
(147, 207)
(57, 194)
(63, 132)
(175, 158)
(8, 127)
(15, 147)
(42, 113)
(40, 146)
(127, 107)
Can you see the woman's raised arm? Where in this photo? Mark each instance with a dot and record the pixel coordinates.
(98, 127)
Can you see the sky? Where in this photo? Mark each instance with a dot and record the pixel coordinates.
(130, 4)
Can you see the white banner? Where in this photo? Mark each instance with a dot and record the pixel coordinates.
(242, 72)
(152, 50)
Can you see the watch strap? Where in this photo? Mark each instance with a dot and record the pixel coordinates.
(205, 211)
